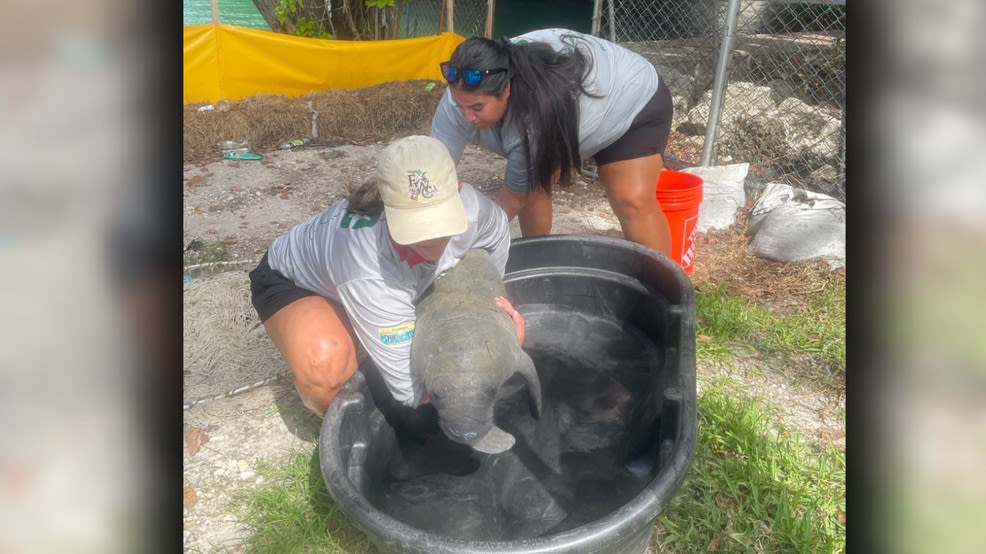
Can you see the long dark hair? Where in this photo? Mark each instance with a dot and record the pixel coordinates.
(544, 90)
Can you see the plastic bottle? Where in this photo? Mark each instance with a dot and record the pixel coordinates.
(233, 150)
(234, 146)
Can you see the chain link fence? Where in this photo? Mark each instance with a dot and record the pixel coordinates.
(428, 17)
(770, 93)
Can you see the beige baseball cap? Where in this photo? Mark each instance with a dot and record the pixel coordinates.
(420, 190)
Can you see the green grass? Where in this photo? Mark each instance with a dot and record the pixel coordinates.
(292, 511)
(817, 328)
(753, 490)
(201, 251)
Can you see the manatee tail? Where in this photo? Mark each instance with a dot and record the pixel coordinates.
(525, 367)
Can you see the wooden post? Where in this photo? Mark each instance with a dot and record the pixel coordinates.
(450, 27)
(215, 11)
(490, 7)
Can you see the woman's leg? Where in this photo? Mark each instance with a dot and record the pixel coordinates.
(314, 336)
(631, 188)
(629, 169)
(534, 210)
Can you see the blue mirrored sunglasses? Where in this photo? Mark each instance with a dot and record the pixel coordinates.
(471, 77)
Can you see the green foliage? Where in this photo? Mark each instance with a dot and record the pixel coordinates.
(361, 21)
(286, 8)
(287, 11)
(309, 28)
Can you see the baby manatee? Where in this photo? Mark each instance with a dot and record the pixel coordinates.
(465, 348)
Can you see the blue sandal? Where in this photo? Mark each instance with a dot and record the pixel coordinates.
(233, 155)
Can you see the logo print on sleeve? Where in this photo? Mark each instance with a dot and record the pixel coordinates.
(396, 336)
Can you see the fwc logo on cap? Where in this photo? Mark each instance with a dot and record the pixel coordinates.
(418, 184)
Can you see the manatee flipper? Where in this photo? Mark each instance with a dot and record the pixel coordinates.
(494, 442)
(525, 366)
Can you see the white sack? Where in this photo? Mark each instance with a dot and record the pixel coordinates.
(722, 194)
(789, 224)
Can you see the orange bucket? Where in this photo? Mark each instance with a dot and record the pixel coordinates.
(680, 195)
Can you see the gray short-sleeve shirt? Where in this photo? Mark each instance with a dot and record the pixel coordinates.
(623, 80)
(351, 259)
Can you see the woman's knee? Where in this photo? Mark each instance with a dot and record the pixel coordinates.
(329, 363)
(631, 185)
(632, 201)
(511, 202)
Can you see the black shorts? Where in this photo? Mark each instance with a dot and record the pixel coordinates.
(270, 290)
(647, 135)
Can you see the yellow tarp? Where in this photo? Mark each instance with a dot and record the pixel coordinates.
(224, 61)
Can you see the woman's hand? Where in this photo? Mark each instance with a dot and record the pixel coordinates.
(518, 319)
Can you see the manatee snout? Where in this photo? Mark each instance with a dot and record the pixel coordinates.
(459, 433)
(484, 437)
(467, 417)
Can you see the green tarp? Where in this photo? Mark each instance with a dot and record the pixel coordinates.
(242, 13)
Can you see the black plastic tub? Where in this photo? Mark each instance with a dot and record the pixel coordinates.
(611, 329)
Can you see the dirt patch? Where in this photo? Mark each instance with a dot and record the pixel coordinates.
(233, 210)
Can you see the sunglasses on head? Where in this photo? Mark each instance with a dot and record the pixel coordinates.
(471, 77)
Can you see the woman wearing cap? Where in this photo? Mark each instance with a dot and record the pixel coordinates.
(547, 99)
(345, 281)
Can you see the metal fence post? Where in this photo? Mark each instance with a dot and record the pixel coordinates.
(612, 21)
(596, 15)
(719, 84)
